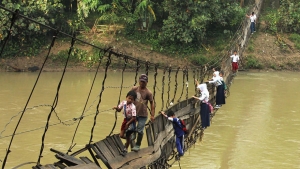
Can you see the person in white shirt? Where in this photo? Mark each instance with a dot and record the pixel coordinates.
(235, 59)
(220, 96)
(204, 109)
(253, 21)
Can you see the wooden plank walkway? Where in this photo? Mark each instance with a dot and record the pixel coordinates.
(160, 136)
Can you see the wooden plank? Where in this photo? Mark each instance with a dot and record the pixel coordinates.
(146, 155)
(68, 159)
(60, 165)
(149, 135)
(98, 153)
(79, 151)
(93, 155)
(123, 161)
(86, 160)
(111, 146)
(85, 166)
(48, 166)
(143, 161)
(118, 141)
(101, 146)
(155, 130)
(110, 143)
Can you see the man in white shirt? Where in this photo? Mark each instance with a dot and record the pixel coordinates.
(235, 58)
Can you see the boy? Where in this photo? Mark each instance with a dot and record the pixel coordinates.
(235, 59)
(179, 133)
(128, 125)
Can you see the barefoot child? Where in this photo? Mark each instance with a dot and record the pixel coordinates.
(128, 125)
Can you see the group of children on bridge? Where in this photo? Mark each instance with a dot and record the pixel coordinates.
(135, 109)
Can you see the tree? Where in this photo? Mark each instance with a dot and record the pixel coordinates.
(188, 20)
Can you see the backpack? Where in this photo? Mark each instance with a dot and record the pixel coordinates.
(224, 85)
(211, 108)
(185, 130)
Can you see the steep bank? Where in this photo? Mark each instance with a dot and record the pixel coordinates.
(264, 51)
(121, 45)
(267, 51)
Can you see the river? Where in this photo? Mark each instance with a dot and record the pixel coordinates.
(258, 127)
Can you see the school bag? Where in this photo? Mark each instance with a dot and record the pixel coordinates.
(183, 126)
(211, 108)
(224, 85)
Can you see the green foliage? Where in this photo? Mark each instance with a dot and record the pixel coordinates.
(30, 47)
(44, 12)
(286, 18)
(199, 60)
(188, 21)
(272, 18)
(77, 55)
(250, 48)
(252, 63)
(296, 39)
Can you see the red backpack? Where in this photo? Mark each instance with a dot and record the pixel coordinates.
(185, 130)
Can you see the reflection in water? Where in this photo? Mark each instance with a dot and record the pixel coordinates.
(257, 128)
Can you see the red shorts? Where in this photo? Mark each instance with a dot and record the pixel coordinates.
(235, 66)
(123, 126)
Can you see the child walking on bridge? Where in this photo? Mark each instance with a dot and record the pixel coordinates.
(179, 133)
(128, 124)
(235, 65)
(204, 110)
(220, 96)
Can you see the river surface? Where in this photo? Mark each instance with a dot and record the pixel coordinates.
(258, 127)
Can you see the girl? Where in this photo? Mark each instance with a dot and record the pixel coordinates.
(220, 96)
(204, 110)
(129, 117)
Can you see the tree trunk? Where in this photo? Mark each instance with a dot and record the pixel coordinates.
(242, 3)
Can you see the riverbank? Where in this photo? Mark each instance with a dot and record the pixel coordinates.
(264, 51)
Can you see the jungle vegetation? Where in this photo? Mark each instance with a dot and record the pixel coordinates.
(170, 26)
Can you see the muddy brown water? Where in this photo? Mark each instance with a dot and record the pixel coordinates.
(258, 127)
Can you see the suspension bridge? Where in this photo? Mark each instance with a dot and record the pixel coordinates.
(106, 153)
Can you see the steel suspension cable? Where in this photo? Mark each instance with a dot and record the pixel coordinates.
(12, 22)
(187, 84)
(25, 107)
(88, 98)
(147, 67)
(194, 77)
(116, 115)
(176, 85)
(183, 84)
(155, 83)
(55, 101)
(169, 87)
(100, 96)
(163, 88)
(136, 71)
